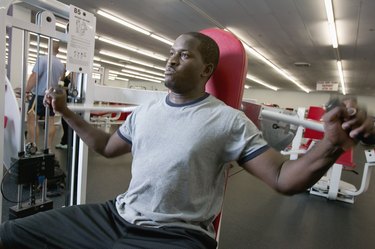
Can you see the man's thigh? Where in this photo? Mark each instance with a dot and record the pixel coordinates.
(81, 227)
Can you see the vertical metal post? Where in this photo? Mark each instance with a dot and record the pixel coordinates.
(49, 80)
(19, 196)
(25, 42)
(44, 190)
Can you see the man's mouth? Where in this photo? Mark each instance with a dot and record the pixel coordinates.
(169, 71)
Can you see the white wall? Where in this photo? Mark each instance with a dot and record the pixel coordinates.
(291, 99)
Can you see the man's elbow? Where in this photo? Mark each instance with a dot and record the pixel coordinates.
(289, 189)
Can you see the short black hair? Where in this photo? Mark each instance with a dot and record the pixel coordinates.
(208, 48)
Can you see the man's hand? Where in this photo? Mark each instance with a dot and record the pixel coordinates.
(346, 123)
(56, 97)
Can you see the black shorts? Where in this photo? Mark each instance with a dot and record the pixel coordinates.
(94, 226)
(41, 109)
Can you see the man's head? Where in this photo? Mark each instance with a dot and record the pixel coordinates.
(208, 48)
(193, 59)
(55, 47)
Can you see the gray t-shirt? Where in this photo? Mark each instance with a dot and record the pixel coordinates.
(180, 156)
(40, 68)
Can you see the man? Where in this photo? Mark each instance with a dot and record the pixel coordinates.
(180, 147)
(39, 73)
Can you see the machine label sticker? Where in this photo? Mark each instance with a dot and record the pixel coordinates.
(81, 40)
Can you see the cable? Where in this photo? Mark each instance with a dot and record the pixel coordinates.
(8, 171)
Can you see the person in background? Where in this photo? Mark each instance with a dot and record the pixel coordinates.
(181, 145)
(36, 109)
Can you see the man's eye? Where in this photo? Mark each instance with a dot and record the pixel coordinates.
(184, 55)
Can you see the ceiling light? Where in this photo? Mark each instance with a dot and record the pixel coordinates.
(112, 63)
(135, 76)
(123, 22)
(143, 70)
(166, 41)
(280, 71)
(127, 58)
(61, 56)
(133, 26)
(131, 48)
(123, 79)
(141, 74)
(341, 74)
(252, 78)
(36, 51)
(331, 22)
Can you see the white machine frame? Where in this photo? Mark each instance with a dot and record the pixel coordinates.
(92, 92)
(330, 186)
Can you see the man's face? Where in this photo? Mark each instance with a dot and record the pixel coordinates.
(185, 68)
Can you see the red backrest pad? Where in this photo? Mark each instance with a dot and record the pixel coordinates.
(227, 82)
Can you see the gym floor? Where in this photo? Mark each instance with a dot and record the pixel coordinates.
(254, 216)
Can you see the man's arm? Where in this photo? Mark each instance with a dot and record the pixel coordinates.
(293, 176)
(290, 177)
(31, 82)
(98, 140)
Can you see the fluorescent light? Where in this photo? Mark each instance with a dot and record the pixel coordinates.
(132, 48)
(61, 56)
(36, 51)
(43, 45)
(252, 78)
(276, 68)
(123, 79)
(135, 76)
(143, 70)
(117, 43)
(331, 22)
(341, 74)
(141, 74)
(162, 39)
(135, 27)
(112, 63)
(123, 22)
(127, 58)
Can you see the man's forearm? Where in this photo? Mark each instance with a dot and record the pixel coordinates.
(95, 138)
(298, 175)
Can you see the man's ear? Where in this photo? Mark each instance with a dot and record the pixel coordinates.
(208, 70)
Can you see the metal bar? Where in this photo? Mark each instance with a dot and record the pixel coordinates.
(315, 125)
(34, 28)
(24, 79)
(54, 6)
(19, 196)
(49, 83)
(98, 108)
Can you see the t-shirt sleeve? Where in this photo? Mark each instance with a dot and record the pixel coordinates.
(246, 141)
(126, 130)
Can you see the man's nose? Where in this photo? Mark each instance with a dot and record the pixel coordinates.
(172, 60)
